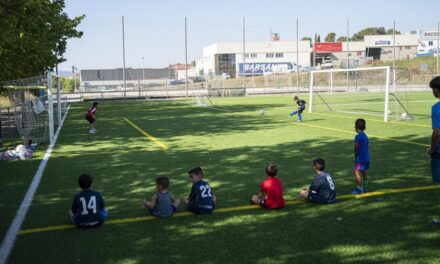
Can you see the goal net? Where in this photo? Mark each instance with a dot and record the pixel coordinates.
(31, 103)
(361, 91)
(201, 100)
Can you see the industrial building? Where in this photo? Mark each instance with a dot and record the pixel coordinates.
(112, 79)
(226, 59)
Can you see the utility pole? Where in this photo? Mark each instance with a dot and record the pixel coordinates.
(123, 59)
(186, 58)
(244, 55)
(297, 56)
(438, 48)
(394, 56)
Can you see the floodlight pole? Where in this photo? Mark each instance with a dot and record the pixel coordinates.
(123, 59)
(297, 56)
(74, 79)
(143, 74)
(394, 56)
(50, 107)
(58, 96)
(244, 55)
(186, 57)
(348, 50)
(438, 48)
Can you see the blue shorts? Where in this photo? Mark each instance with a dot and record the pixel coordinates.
(318, 199)
(201, 209)
(74, 220)
(435, 167)
(361, 166)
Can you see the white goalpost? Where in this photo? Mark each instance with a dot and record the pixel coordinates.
(356, 91)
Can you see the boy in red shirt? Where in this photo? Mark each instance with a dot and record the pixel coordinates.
(273, 188)
(90, 116)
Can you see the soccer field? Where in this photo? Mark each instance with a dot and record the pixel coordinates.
(138, 141)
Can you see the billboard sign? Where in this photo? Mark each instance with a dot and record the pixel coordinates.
(263, 68)
(428, 34)
(321, 47)
(382, 43)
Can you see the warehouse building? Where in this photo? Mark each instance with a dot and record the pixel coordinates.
(226, 59)
(112, 79)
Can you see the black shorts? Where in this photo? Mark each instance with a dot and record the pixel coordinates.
(90, 119)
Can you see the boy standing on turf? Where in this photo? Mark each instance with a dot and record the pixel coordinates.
(163, 203)
(434, 150)
(88, 209)
(272, 188)
(90, 116)
(362, 157)
(201, 200)
(301, 106)
(322, 190)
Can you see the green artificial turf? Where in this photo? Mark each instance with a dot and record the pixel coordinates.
(232, 146)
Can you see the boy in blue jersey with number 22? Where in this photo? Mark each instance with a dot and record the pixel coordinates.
(362, 157)
(88, 208)
(201, 200)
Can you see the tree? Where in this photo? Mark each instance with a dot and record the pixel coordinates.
(34, 36)
(330, 37)
(341, 39)
(390, 32)
(359, 36)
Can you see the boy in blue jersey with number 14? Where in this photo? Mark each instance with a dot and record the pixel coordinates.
(201, 200)
(362, 157)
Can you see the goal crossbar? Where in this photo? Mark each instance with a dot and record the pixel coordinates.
(387, 69)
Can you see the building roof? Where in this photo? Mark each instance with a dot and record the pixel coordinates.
(130, 74)
(256, 47)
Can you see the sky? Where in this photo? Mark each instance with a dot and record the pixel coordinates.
(154, 30)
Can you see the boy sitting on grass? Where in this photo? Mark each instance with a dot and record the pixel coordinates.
(362, 157)
(163, 203)
(88, 209)
(322, 190)
(201, 200)
(271, 190)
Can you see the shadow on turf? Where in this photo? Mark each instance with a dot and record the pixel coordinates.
(124, 172)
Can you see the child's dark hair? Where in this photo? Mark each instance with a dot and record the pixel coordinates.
(197, 171)
(271, 170)
(360, 124)
(435, 83)
(163, 181)
(296, 98)
(85, 181)
(95, 104)
(319, 164)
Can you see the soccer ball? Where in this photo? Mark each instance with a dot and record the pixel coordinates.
(404, 115)
(262, 112)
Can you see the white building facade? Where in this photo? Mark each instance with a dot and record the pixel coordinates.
(226, 59)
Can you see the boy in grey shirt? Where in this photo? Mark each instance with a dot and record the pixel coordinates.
(163, 203)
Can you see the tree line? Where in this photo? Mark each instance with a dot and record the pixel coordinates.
(34, 36)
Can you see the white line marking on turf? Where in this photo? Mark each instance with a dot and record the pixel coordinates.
(14, 228)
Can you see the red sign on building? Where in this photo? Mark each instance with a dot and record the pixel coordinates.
(321, 47)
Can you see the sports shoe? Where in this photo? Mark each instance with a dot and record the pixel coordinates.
(436, 221)
(92, 131)
(299, 121)
(357, 191)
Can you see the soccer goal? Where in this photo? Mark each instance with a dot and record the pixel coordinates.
(359, 91)
(201, 100)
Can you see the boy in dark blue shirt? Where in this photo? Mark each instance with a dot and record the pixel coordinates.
(201, 200)
(301, 106)
(323, 189)
(88, 208)
(362, 157)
